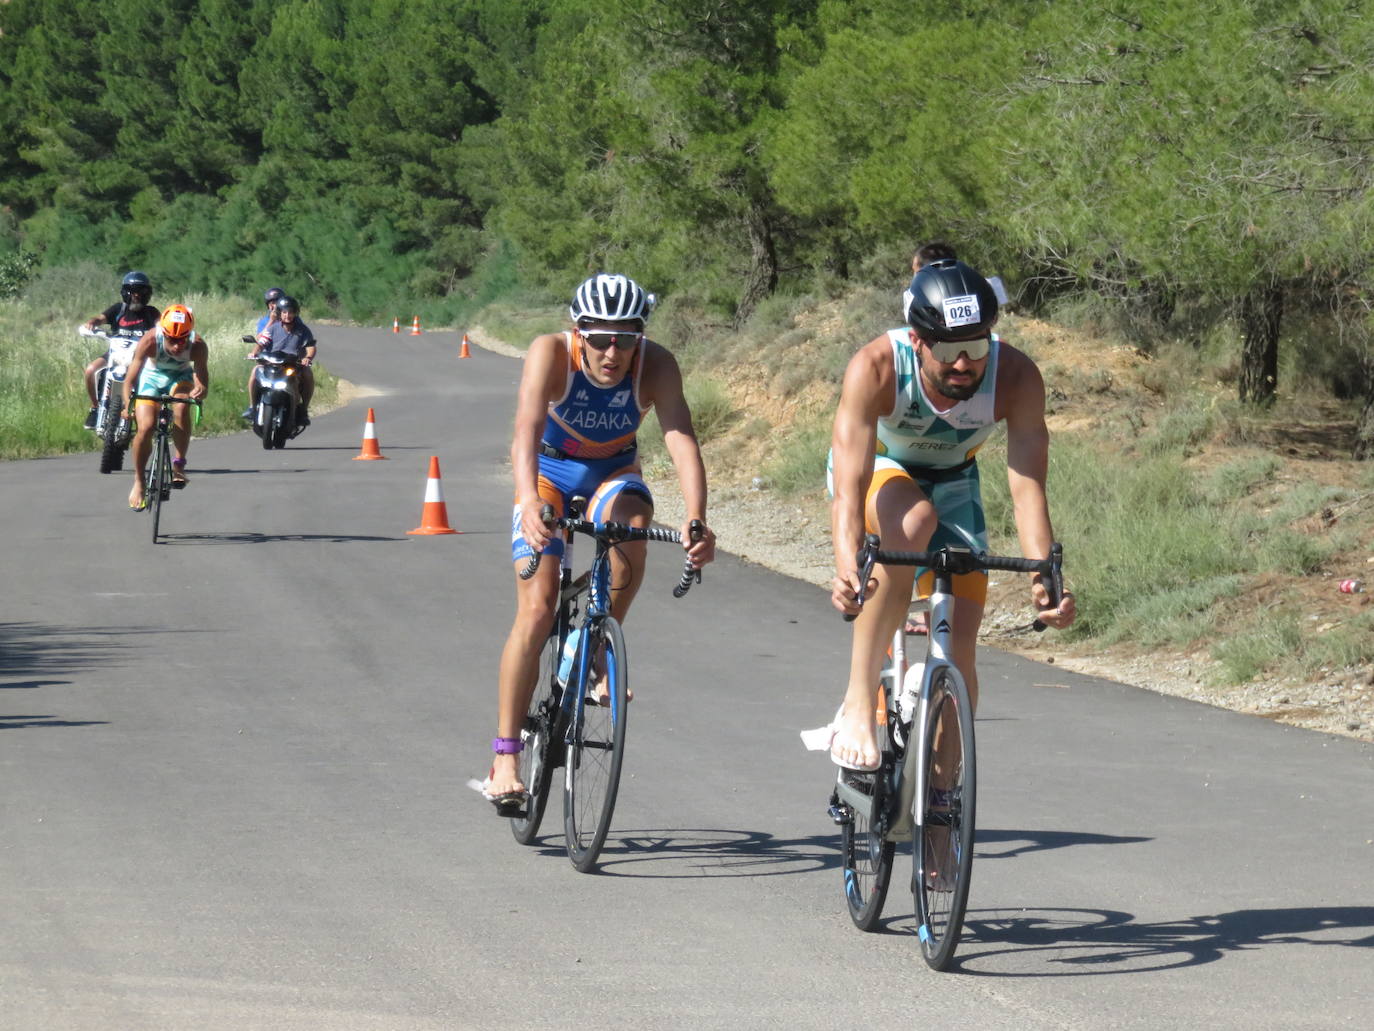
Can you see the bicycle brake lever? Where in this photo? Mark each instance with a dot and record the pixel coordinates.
(690, 574)
(547, 517)
(866, 557)
(1055, 587)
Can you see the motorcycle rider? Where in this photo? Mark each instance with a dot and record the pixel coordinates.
(270, 298)
(291, 337)
(168, 360)
(132, 316)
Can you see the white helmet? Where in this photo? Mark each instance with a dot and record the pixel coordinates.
(608, 298)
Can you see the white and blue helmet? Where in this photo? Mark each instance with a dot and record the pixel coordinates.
(610, 298)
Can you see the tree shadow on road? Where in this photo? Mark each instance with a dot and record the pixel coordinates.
(39, 652)
(37, 649)
(46, 720)
(1080, 943)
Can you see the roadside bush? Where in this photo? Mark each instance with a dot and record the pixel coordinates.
(15, 271)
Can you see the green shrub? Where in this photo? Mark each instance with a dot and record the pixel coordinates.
(15, 272)
(1243, 657)
(712, 411)
(799, 462)
(1237, 479)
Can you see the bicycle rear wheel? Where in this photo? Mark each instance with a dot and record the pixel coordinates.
(542, 733)
(867, 857)
(596, 751)
(944, 841)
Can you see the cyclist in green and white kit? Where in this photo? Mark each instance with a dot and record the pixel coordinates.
(917, 404)
(172, 358)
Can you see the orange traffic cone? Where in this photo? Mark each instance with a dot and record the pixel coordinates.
(415, 327)
(435, 516)
(395, 325)
(371, 451)
(465, 353)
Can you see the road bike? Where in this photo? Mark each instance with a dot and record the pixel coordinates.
(157, 474)
(568, 723)
(926, 786)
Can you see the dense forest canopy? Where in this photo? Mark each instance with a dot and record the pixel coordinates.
(1187, 163)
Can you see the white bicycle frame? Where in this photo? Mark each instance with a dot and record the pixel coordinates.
(908, 780)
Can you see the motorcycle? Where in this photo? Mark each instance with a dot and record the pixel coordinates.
(274, 414)
(111, 425)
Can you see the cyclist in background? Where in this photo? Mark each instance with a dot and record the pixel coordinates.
(170, 359)
(916, 405)
(132, 316)
(583, 394)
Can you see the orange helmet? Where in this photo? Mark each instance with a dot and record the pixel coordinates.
(177, 321)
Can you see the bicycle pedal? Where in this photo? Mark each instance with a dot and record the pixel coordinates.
(842, 815)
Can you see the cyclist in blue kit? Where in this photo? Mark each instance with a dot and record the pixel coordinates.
(583, 395)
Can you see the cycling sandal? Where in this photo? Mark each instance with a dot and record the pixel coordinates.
(179, 479)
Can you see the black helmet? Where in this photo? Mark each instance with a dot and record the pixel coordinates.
(135, 281)
(273, 292)
(948, 300)
(284, 303)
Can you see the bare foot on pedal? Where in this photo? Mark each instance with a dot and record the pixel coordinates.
(854, 743)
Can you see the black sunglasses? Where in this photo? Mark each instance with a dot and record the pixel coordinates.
(601, 340)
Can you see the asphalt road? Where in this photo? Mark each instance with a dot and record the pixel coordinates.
(233, 766)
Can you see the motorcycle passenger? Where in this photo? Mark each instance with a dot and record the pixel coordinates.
(133, 316)
(291, 338)
(170, 359)
(270, 299)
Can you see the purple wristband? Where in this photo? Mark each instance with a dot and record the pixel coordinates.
(507, 745)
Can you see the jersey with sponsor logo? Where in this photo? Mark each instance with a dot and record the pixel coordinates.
(128, 323)
(591, 421)
(916, 433)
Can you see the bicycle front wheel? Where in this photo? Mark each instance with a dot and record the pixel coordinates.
(596, 750)
(158, 472)
(542, 734)
(944, 841)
